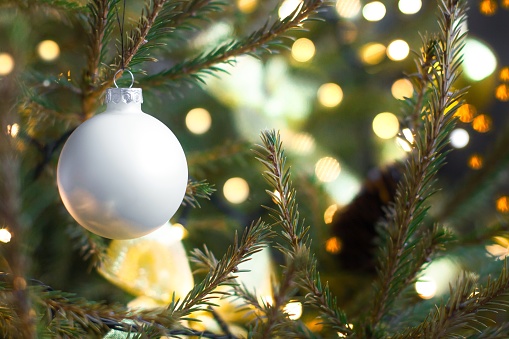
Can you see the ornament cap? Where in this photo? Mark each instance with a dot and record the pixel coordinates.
(124, 95)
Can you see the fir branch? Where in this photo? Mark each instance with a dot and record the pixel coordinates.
(91, 247)
(300, 270)
(397, 262)
(197, 189)
(263, 40)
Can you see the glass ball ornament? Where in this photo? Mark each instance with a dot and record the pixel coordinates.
(122, 174)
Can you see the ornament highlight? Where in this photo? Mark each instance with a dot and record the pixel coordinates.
(122, 174)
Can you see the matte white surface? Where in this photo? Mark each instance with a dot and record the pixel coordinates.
(122, 174)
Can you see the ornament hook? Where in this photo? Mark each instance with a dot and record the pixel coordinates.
(126, 70)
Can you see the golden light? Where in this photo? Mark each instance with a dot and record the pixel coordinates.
(333, 245)
(6, 63)
(504, 74)
(328, 215)
(293, 309)
(327, 169)
(288, 7)
(409, 136)
(5, 235)
(13, 130)
(198, 120)
(374, 11)
(48, 50)
(466, 113)
(475, 161)
(500, 249)
(504, 4)
(348, 9)
(402, 88)
(459, 138)
(502, 92)
(247, 6)
(426, 288)
(372, 53)
(482, 123)
(398, 50)
(179, 231)
(503, 204)
(409, 6)
(330, 94)
(236, 190)
(488, 7)
(303, 50)
(386, 125)
(404, 144)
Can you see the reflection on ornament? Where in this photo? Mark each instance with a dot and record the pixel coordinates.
(122, 174)
(153, 266)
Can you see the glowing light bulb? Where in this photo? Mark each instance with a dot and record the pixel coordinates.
(503, 204)
(482, 123)
(198, 120)
(327, 169)
(6, 63)
(398, 50)
(409, 6)
(488, 7)
(479, 61)
(303, 50)
(475, 161)
(333, 245)
(386, 125)
(329, 213)
(502, 92)
(504, 74)
(13, 130)
(236, 190)
(372, 53)
(426, 288)
(288, 7)
(5, 235)
(293, 309)
(48, 50)
(247, 6)
(402, 89)
(459, 138)
(466, 113)
(348, 9)
(330, 94)
(374, 11)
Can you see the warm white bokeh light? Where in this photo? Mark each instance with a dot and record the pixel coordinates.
(409, 136)
(329, 213)
(6, 63)
(198, 120)
(236, 190)
(327, 169)
(426, 288)
(293, 309)
(479, 61)
(404, 144)
(348, 9)
(402, 88)
(374, 11)
(13, 130)
(5, 235)
(288, 7)
(372, 53)
(48, 50)
(409, 6)
(386, 125)
(303, 50)
(247, 6)
(398, 50)
(330, 94)
(459, 138)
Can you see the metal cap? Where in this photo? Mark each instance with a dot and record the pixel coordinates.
(125, 95)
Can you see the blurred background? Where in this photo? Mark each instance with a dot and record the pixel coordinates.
(334, 94)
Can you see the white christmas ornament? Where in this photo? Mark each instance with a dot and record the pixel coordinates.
(122, 174)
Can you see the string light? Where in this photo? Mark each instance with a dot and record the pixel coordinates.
(348, 9)
(402, 88)
(466, 113)
(459, 138)
(13, 130)
(504, 74)
(247, 6)
(409, 6)
(503, 204)
(5, 235)
(386, 125)
(333, 245)
(504, 4)
(303, 143)
(303, 50)
(329, 213)
(502, 92)
(48, 50)
(488, 7)
(288, 7)
(426, 288)
(475, 161)
(293, 309)
(372, 53)
(374, 11)
(479, 61)
(236, 190)
(198, 120)
(6, 63)
(398, 50)
(482, 123)
(327, 169)
(330, 94)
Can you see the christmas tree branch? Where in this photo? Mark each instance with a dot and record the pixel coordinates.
(300, 270)
(397, 261)
(259, 41)
(195, 190)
